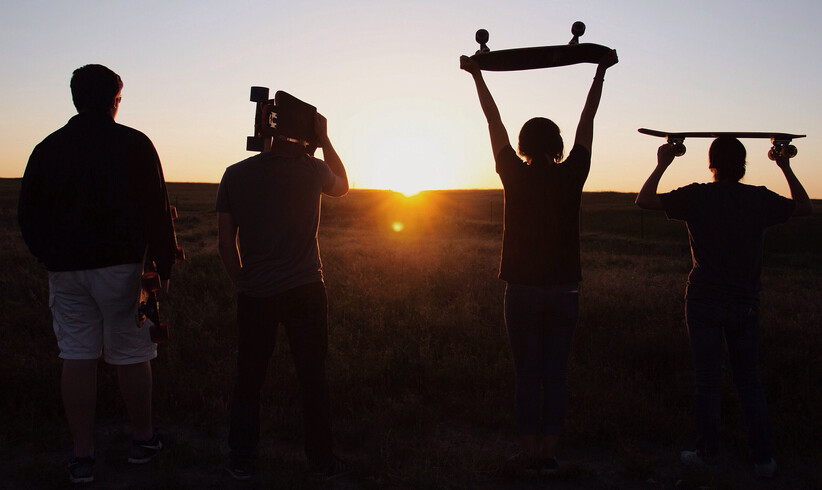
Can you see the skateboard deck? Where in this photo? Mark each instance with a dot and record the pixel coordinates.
(538, 57)
(780, 141)
(284, 117)
(148, 310)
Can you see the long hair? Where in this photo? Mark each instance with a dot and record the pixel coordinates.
(727, 156)
(539, 139)
(94, 87)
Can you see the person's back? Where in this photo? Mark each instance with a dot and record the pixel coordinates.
(275, 201)
(84, 183)
(726, 223)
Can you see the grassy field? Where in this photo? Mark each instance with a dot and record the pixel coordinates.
(419, 364)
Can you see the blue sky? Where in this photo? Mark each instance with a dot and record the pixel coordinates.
(401, 113)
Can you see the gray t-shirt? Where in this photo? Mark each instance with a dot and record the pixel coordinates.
(275, 202)
(726, 223)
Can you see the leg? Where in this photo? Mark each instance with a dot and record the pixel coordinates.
(522, 320)
(561, 321)
(742, 338)
(306, 324)
(135, 386)
(79, 389)
(257, 329)
(705, 332)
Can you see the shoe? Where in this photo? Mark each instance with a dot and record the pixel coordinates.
(693, 459)
(144, 451)
(81, 470)
(548, 466)
(766, 470)
(334, 468)
(239, 472)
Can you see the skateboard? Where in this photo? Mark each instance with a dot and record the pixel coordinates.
(149, 308)
(283, 117)
(780, 141)
(538, 57)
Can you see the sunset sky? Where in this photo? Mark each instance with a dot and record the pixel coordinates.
(386, 75)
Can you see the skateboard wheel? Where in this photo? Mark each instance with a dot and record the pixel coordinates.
(788, 151)
(259, 94)
(679, 149)
(179, 255)
(772, 153)
(578, 28)
(150, 281)
(481, 36)
(254, 143)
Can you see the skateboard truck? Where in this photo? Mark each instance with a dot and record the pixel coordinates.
(577, 29)
(149, 309)
(781, 148)
(482, 38)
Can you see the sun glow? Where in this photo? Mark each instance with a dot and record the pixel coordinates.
(405, 146)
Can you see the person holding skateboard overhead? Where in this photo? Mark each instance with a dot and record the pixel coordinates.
(93, 207)
(541, 261)
(726, 220)
(268, 210)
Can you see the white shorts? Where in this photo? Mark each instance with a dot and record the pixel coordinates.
(95, 312)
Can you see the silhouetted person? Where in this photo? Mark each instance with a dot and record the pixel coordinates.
(271, 203)
(726, 221)
(93, 203)
(540, 261)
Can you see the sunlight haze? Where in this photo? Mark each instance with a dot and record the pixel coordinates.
(386, 75)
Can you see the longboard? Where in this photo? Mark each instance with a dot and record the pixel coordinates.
(538, 57)
(780, 141)
(148, 310)
(284, 117)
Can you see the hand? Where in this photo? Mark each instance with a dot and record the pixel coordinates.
(321, 128)
(469, 65)
(608, 60)
(783, 162)
(665, 155)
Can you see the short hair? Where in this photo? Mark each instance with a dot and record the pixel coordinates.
(94, 87)
(727, 156)
(539, 137)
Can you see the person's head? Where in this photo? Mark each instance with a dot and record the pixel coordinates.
(726, 158)
(539, 138)
(95, 88)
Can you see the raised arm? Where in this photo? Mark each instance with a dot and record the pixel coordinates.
(499, 135)
(585, 128)
(331, 158)
(648, 197)
(800, 197)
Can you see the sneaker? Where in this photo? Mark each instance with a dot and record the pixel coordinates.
(766, 470)
(693, 459)
(548, 466)
(81, 470)
(334, 468)
(144, 451)
(239, 472)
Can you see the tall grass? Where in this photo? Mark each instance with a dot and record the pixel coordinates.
(419, 365)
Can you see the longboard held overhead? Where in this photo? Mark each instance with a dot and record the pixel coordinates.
(538, 57)
(780, 141)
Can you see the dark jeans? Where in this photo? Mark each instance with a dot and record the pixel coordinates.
(541, 323)
(708, 321)
(303, 313)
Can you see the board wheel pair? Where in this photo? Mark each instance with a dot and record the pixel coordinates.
(679, 148)
(788, 151)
